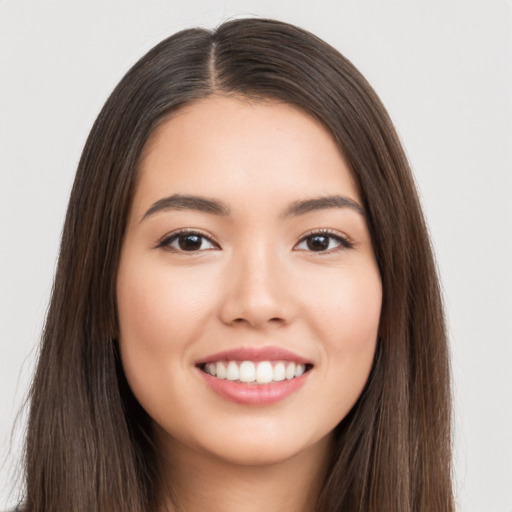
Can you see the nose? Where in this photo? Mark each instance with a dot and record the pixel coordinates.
(257, 293)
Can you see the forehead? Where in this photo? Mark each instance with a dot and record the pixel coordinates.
(237, 148)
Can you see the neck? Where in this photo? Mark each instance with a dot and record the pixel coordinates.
(202, 482)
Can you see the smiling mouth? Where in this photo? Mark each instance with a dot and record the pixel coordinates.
(258, 372)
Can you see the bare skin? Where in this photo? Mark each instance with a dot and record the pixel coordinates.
(246, 235)
(213, 485)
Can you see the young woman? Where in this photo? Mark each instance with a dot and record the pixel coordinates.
(246, 313)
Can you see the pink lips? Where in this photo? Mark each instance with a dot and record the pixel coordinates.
(254, 394)
(255, 354)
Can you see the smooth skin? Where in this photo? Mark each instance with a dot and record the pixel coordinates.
(250, 277)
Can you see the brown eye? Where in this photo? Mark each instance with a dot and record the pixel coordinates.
(190, 242)
(323, 242)
(187, 242)
(318, 243)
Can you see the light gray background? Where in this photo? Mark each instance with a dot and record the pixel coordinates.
(443, 69)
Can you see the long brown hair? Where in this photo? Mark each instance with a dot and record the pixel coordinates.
(89, 443)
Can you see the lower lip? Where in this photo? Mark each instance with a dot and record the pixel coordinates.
(254, 394)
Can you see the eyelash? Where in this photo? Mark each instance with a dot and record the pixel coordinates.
(168, 239)
(343, 241)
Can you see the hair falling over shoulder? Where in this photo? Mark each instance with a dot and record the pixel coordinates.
(89, 443)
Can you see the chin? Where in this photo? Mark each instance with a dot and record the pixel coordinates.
(262, 445)
(257, 453)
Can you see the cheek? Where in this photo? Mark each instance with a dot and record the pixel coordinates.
(158, 320)
(345, 313)
(158, 309)
(346, 308)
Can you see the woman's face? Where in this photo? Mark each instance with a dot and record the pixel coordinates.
(248, 292)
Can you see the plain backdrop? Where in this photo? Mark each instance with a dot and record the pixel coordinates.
(442, 68)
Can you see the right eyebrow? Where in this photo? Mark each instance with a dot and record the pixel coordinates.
(322, 203)
(183, 202)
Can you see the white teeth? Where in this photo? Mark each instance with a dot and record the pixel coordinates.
(290, 371)
(220, 370)
(232, 372)
(211, 368)
(279, 372)
(263, 372)
(247, 371)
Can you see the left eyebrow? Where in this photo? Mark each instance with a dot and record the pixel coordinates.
(187, 202)
(321, 203)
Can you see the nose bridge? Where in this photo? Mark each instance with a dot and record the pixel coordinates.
(256, 291)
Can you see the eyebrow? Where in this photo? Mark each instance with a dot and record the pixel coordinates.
(321, 203)
(181, 202)
(214, 207)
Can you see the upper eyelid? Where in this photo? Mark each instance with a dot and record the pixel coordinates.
(328, 232)
(324, 231)
(174, 234)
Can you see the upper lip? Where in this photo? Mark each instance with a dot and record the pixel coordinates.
(255, 354)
